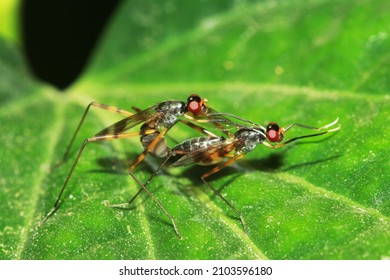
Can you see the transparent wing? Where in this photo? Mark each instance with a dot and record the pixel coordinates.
(208, 154)
(224, 122)
(130, 122)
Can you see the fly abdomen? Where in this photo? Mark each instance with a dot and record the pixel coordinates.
(148, 134)
(198, 143)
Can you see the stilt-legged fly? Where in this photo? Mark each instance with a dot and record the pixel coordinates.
(156, 121)
(211, 150)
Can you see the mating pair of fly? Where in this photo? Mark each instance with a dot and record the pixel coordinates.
(210, 149)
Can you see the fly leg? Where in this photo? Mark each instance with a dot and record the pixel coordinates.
(86, 141)
(98, 105)
(217, 169)
(139, 159)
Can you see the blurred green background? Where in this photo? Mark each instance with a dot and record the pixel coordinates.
(284, 61)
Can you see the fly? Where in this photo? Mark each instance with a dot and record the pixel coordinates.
(156, 121)
(221, 151)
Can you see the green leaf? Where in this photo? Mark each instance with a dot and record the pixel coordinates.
(9, 19)
(300, 61)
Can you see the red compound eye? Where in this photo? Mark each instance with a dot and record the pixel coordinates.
(273, 135)
(273, 132)
(194, 103)
(194, 107)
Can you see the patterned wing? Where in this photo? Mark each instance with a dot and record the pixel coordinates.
(224, 122)
(208, 154)
(127, 123)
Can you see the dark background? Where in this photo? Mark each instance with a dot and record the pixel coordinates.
(58, 36)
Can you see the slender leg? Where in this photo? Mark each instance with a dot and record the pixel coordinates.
(207, 119)
(198, 128)
(139, 159)
(88, 140)
(217, 169)
(98, 105)
(159, 205)
(229, 121)
(155, 173)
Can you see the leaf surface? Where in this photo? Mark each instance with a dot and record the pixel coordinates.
(306, 62)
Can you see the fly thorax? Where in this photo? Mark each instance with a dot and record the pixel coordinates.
(248, 139)
(171, 111)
